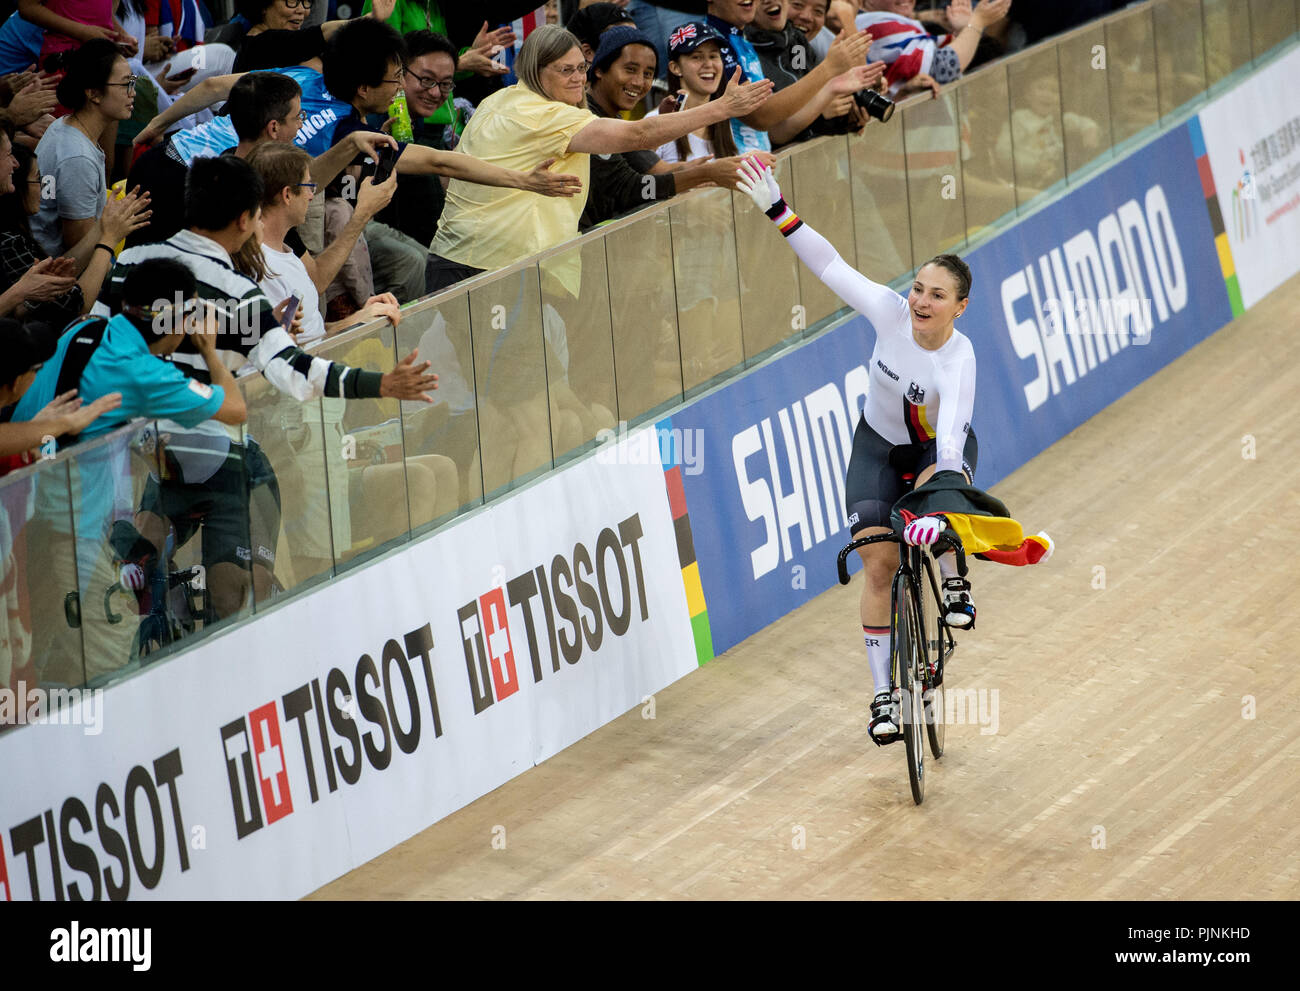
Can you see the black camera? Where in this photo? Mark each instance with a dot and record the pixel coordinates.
(877, 106)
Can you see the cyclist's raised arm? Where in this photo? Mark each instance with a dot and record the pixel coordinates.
(879, 304)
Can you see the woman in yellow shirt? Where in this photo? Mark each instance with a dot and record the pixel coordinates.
(544, 116)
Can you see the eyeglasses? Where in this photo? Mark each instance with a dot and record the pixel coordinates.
(129, 84)
(568, 70)
(302, 116)
(295, 4)
(307, 185)
(428, 82)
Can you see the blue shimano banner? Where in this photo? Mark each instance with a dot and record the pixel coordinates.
(1075, 306)
(1070, 310)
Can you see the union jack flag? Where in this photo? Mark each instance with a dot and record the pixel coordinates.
(683, 34)
(522, 27)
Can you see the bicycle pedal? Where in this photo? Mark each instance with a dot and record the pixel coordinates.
(884, 741)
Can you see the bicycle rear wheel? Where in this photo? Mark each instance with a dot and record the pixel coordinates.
(907, 666)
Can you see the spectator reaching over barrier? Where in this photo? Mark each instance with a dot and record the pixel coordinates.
(918, 60)
(543, 117)
(277, 36)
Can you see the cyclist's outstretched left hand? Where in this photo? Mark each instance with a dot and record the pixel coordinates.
(924, 530)
(756, 180)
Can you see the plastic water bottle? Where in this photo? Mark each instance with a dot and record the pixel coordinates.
(397, 110)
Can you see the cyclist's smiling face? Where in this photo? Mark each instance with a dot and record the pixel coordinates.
(934, 300)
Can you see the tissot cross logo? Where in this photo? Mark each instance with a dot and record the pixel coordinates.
(485, 633)
(256, 770)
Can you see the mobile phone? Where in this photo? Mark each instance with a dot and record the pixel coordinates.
(681, 99)
(290, 311)
(385, 162)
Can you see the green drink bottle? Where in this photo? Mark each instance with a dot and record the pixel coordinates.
(401, 129)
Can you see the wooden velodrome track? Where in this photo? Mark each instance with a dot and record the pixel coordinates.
(1125, 764)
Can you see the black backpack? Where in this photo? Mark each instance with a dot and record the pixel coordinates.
(86, 338)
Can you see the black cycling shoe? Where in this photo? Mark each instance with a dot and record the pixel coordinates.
(958, 606)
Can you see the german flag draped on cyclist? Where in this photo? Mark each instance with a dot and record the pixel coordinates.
(914, 451)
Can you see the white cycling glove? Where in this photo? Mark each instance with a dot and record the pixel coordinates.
(924, 530)
(756, 181)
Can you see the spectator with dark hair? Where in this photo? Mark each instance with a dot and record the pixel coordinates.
(695, 77)
(363, 66)
(588, 23)
(621, 75)
(277, 36)
(785, 115)
(99, 89)
(427, 81)
(543, 116)
(261, 106)
(787, 57)
(92, 257)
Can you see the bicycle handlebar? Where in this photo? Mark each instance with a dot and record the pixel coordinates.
(946, 541)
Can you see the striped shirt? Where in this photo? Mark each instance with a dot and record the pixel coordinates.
(248, 328)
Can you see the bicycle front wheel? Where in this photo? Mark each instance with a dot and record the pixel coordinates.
(908, 660)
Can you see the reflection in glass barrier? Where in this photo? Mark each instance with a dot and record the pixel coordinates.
(579, 339)
(447, 427)
(708, 287)
(1180, 53)
(1271, 23)
(647, 354)
(770, 311)
(1035, 136)
(987, 170)
(1227, 38)
(933, 150)
(821, 188)
(510, 379)
(1083, 62)
(42, 641)
(1131, 63)
(364, 464)
(882, 225)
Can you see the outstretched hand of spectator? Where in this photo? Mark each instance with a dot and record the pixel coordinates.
(848, 50)
(919, 84)
(382, 10)
(501, 37)
(756, 181)
(31, 103)
(858, 78)
(548, 183)
(408, 380)
(742, 99)
(124, 216)
(482, 62)
(989, 12)
(384, 305)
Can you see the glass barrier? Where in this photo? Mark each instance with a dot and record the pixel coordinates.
(1227, 36)
(707, 286)
(770, 313)
(819, 185)
(139, 542)
(932, 152)
(1131, 65)
(643, 309)
(1085, 98)
(42, 643)
(987, 169)
(447, 428)
(372, 488)
(1180, 53)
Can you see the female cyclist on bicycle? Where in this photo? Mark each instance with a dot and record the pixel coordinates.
(916, 419)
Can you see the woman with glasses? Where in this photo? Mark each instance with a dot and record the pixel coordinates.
(278, 38)
(99, 90)
(544, 117)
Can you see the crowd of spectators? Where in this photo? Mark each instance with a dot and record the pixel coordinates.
(187, 200)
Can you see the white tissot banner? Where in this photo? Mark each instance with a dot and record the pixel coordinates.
(283, 754)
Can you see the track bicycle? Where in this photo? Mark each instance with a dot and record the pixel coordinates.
(915, 660)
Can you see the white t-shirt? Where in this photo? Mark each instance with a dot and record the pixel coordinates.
(700, 147)
(287, 276)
